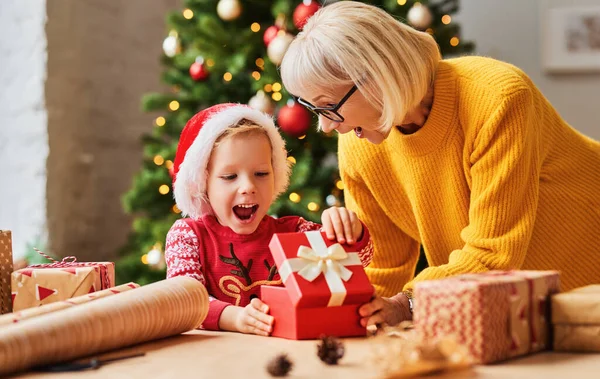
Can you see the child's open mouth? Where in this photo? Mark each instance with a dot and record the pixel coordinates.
(245, 212)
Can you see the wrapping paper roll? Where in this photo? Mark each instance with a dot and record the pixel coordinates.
(158, 310)
(53, 307)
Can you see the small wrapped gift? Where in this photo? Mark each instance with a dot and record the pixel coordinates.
(6, 267)
(496, 315)
(576, 319)
(325, 284)
(42, 284)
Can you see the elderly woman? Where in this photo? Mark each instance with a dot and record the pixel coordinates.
(463, 156)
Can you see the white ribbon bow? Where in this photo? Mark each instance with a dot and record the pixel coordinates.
(317, 259)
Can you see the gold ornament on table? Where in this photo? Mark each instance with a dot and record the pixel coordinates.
(399, 353)
(262, 102)
(278, 47)
(229, 10)
(419, 16)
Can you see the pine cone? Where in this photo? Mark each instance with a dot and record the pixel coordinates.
(279, 366)
(330, 350)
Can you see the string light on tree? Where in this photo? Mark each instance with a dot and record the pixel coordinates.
(174, 105)
(304, 11)
(294, 119)
(198, 70)
(229, 10)
(313, 207)
(160, 121)
(171, 45)
(454, 41)
(419, 16)
(294, 197)
(278, 46)
(188, 14)
(159, 160)
(255, 27)
(164, 189)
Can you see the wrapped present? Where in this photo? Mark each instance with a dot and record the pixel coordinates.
(42, 284)
(325, 284)
(576, 319)
(6, 268)
(496, 315)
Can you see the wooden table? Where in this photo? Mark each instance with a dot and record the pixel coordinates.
(201, 354)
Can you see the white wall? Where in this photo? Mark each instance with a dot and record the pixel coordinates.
(23, 121)
(509, 30)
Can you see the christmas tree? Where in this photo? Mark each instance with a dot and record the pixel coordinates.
(229, 51)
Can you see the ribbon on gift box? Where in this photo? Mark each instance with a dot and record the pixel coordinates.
(319, 259)
(71, 261)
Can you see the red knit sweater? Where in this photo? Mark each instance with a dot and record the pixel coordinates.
(233, 266)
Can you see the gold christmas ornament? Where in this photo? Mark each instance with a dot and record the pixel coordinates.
(262, 102)
(278, 46)
(229, 9)
(419, 16)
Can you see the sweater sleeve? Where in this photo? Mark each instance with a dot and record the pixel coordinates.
(182, 255)
(364, 245)
(505, 175)
(394, 254)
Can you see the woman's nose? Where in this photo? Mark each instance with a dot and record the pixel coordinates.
(327, 125)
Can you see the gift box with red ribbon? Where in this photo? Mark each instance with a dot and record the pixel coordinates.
(324, 285)
(496, 315)
(42, 284)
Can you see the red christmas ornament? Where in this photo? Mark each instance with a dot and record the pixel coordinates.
(198, 71)
(270, 33)
(294, 119)
(303, 12)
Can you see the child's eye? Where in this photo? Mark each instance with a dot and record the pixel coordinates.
(262, 173)
(228, 177)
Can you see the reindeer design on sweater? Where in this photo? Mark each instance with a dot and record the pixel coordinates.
(235, 289)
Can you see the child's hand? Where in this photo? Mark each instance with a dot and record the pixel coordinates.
(253, 319)
(341, 224)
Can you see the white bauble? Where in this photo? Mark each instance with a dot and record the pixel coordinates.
(171, 45)
(229, 9)
(420, 17)
(278, 46)
(262, 102)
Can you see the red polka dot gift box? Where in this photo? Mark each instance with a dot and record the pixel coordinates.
(496, 315)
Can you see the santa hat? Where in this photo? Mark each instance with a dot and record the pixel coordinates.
(195, 147)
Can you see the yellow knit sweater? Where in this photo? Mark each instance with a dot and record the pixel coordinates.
(495, 179)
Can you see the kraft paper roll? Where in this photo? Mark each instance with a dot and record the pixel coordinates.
(151, 312)
(53, 307)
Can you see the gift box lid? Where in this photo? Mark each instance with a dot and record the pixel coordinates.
(579, 306)
(318, 272)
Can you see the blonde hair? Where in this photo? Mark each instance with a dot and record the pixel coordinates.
(242, 127)
(392, 64)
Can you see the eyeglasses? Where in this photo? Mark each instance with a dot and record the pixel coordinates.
(329, 112)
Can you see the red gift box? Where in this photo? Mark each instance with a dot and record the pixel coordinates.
(325, 284)
(496, 315)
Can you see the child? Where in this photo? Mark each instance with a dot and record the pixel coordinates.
(230, 165)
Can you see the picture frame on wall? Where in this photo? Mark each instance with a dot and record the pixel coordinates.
(570, 37)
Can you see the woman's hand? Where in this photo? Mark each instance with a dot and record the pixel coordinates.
(385, 310)
(341, 224)
(251, 319)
